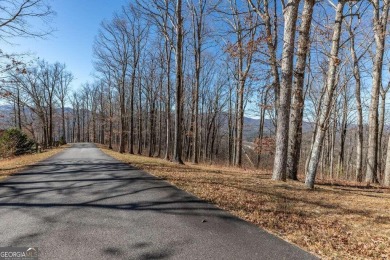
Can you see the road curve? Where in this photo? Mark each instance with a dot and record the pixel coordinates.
(83, 204)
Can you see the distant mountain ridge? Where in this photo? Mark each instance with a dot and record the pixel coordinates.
(251, 125)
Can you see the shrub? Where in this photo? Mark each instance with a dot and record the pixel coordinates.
(14, 142)
(62, 141)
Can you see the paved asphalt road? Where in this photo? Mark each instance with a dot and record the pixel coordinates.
(83, 204)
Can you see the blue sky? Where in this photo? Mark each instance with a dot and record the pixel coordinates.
(77, 23)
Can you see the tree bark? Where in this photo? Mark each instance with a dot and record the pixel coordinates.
(240, 121)
(122, 114)
(281, 142)
(383, 93)
(327, 98)
(296, 116)
(380, 25)
(356, 75)
(132, 87)
(263, 107)
(343, 135)
(177, 153)
(197, 20)
(168, 52)
(139, 146)
(19, 110)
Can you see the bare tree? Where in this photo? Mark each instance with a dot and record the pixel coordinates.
(21, 18)
(327, 99)
(28, 82)
(167, 16)
(283, 109)
(18, 16)
(49, 77)
(381, 124)
(179, 82)
(358, 84)
(262, 8)
(62, 91)
(137, 36)
(113, 52)
(198, 13)
(296, 117)
(380, 20)
(242, 51)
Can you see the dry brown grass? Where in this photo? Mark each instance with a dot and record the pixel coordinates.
(335, 222)
(13, 165)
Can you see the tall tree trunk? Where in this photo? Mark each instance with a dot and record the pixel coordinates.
(380, 132)
(263, 106)
(332, 146)
(168, 52)
(296, 116)
(131, 132)
(50, 127)
(327, 98)
(244, 54)
(19, 110)
(356, 75)
(231, 128)
(197, 20)
(102, 117)
(177, 153)
(63, 135)
(380, 29)
(152, 127)
(15, 115)
(343, 134)
(111, 116)
(122, 117)
(159, 114)
(240, 121)
(280, 161)
(139, 146)
(78, 125)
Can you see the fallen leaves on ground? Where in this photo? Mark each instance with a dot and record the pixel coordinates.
(335, 222)
(13, 165)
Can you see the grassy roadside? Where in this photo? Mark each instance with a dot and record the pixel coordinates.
(13, 165)
(340, 222)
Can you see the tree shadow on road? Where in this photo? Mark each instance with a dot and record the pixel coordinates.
(50, 192)
(110, 186)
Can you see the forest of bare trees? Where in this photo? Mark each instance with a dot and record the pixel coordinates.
(178, 80)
